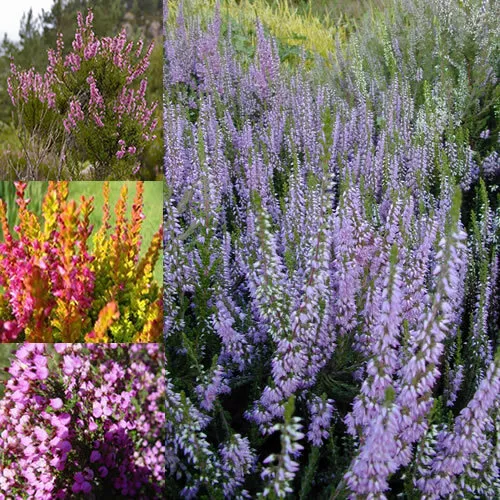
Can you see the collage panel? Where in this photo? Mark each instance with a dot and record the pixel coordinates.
(332, 249)
(82, 421)
(80, 92)
(249, 249)
(81, 261)
(82, 386)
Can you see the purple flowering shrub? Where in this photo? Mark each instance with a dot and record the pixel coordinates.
(447, 54)
(331, 282)
(83, 421)
(89, 109)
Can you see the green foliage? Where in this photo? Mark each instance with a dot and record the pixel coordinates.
(5, 354)
(447, 53)
(296, 29)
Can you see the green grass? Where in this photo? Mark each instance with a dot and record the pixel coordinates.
(153, 204)
(313, 25)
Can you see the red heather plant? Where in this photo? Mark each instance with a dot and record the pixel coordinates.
(89, 106)
(60, 282)
(73, 426)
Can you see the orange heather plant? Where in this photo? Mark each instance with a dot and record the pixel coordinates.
(62, 282)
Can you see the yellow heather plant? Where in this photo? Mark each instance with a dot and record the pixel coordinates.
(60, 281)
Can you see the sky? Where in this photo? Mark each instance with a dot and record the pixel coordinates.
(11, 12)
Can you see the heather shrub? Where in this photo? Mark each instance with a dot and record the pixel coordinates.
(446, 52)
(87, 115)
(331, 278)
(74, 426)
(61, 280)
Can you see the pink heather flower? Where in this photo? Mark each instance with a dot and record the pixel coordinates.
(42, 373)
(70, 364)
(73, 61)
(75, 115)
(96, 98)
(62, 420)
(89, 19)
(38, 440)
(29, 451)
(78, 41)
(52, 56)
(56, 403)
(41, 434)
(40, 361)
(91, 50)
(97, 410)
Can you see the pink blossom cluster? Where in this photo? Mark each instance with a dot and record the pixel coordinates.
(83, 419)
(124, 149)
(23, 85)
(96, 103)
(75, 284)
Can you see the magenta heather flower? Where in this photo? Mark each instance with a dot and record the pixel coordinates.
(48, 443)
(56, 403)
(75, 115)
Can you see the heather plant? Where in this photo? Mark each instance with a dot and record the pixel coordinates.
(330, 268)
(446, 52)
(74, 426)
(61, 280)
(87, 115)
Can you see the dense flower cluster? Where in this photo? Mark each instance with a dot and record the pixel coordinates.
(331, 239)
(83, 420)
(94, 96)
(60, 281)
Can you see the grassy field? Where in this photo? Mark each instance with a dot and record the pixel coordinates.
(153, 204)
